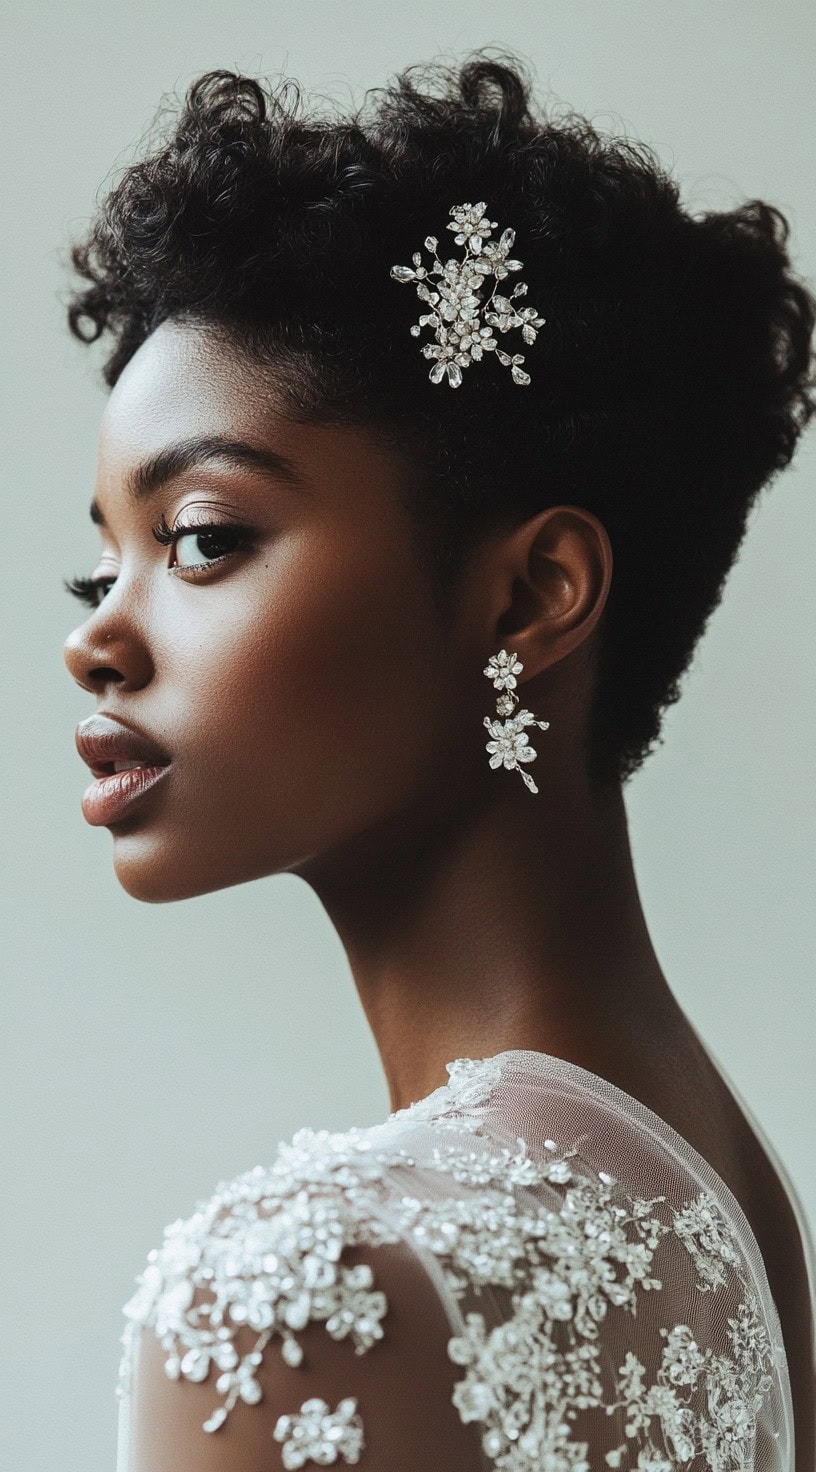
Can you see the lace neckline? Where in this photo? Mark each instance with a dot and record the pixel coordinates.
(472, 1080)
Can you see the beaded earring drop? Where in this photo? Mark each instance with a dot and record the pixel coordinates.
(510, 744)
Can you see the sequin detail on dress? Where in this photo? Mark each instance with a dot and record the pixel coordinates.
(573, 1252)
(317, 1434)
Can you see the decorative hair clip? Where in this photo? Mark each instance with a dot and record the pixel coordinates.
(457, 305)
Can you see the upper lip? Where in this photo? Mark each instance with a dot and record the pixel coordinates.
(101, 741)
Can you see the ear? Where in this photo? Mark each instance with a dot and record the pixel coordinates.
(544, 585)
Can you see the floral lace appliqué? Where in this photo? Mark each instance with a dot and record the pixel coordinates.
(317, 1434)
(566, 1243)
(461, 1102)
(265, 1252)
(527, 1379)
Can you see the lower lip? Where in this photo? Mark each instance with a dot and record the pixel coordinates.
(109, 798)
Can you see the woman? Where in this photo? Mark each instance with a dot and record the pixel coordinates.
(360, 572)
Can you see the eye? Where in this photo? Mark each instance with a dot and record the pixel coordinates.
(209, 543)
(87, 589)
(213, 541)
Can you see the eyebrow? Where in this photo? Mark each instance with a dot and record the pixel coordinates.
(146, 478)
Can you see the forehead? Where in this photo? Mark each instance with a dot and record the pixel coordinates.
(183, 381)
(186, 382)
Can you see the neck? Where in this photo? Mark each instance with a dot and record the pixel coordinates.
(516, 924)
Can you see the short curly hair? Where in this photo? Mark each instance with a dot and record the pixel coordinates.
(671, 381)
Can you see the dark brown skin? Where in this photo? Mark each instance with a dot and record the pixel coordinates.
(324, 720)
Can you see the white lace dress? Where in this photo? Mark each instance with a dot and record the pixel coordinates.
(585, 1291)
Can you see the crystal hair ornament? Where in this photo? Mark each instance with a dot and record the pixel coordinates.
(510, 743)
(463, 322)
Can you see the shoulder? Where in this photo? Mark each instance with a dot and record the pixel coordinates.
(264, 1252)
(263, 1308)
(477, 1293)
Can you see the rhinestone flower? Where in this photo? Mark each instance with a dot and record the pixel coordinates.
(502, 669)
(510, 744)
(463, 322)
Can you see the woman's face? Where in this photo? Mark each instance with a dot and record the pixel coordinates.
(303, 685)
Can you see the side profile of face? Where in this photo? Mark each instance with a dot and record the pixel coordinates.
(296, 670)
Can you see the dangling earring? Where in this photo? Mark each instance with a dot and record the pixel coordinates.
(510, 744)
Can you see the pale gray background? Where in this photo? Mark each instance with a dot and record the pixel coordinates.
(151, 1051)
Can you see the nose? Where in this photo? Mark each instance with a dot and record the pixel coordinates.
(99, 657)
(87, 659)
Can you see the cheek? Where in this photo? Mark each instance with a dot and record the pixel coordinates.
(322, 698)
(366, 676)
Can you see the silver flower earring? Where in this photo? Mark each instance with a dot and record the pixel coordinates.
(510, 744)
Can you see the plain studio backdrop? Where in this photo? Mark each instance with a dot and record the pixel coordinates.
(150, 1052)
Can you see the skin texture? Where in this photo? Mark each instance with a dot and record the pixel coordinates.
(325, 720)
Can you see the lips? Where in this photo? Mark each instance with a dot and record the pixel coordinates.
(104, 743)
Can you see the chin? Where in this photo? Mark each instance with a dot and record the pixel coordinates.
(160, 871)
(152, 872)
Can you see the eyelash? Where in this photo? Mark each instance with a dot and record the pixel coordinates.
(86, 589)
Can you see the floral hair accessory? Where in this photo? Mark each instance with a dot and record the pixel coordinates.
(463, 323)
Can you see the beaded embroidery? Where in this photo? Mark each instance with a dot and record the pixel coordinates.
(317, 1434)
(265, 1251)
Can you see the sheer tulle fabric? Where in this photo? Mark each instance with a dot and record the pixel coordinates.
(606, 1301)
